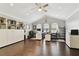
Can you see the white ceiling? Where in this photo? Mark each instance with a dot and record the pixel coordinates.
(28, 11)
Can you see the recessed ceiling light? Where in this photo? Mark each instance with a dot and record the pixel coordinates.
(11, 4)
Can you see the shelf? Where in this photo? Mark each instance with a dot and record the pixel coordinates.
(2, 23)
(2, 26)
(11, 27)
(19, 25)
(11, 24)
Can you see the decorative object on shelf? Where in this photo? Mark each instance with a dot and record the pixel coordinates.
(19, 25)
(2, 23)
(11, 24)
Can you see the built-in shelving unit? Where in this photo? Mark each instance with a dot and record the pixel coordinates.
(11, 31)
(19, 25)
(11, 24)
(2, 23)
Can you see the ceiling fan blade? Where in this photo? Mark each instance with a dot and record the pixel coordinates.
(45, 5)
(41, 6)
(38, 4)
(45, 10)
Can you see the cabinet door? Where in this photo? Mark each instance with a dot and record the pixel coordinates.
(15, 36)
(10, 36)
(18, 35)
(3, 37)
(74, 41)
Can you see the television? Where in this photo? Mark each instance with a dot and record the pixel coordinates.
(74, 32)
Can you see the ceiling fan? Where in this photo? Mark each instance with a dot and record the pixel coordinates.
(41, 6)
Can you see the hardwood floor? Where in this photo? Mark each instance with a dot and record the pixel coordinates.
(38, 48)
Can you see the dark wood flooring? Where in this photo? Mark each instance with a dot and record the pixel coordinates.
(38, 48)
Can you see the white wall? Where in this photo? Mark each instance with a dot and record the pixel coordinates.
(67, 34)
(50, 20)
(71, 23)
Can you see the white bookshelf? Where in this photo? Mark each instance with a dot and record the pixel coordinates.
(74, 41)
(9, 33)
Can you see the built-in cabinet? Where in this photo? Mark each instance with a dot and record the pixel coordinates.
(10, 24)
(11, 31)
(19, 25)
(74, 38)
(2, 23)
(74, 41)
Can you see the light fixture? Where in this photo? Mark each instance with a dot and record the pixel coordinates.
(42, 6)
(39, 9)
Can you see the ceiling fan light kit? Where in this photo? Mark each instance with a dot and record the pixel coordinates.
(41, 7)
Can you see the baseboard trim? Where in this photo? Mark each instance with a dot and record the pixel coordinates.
(11, 44)
(71, 47)
(67, 45)
(74, 48)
